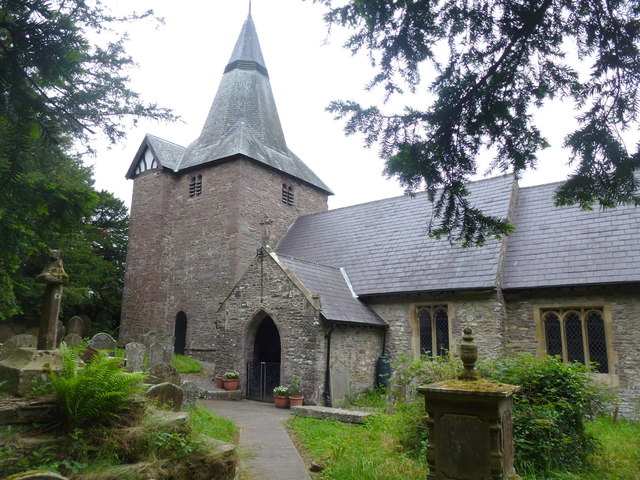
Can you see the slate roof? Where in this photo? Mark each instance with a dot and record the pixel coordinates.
(338, 303)
(166, 153)
(243, 119)
(384, 246)
(554, 246)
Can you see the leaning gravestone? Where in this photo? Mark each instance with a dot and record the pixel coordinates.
(75, 325)
(149, 338)
(134, 352)
(339, 384)
(103, 341)
(163, 373)
(72, 340)
(191, 393)
(166, 394)
(160, 353)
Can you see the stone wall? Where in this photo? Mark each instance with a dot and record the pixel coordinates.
(186, 252)
(265, 289)
(482, 311)
(144, 296)
(623, 303)
(358, 349)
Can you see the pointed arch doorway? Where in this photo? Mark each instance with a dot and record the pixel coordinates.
(263, 354)
(180, 333)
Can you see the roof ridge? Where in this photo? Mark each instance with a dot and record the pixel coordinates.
(164, 140)
(280, 255)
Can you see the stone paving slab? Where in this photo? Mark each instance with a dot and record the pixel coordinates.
(267, 452)
(347, 416)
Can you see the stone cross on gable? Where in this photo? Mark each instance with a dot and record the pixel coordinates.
(54, 276)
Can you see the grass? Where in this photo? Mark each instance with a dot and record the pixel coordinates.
(383, 448)
(206, 423)
(186, 364)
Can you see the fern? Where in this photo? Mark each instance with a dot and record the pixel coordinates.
(95, 393)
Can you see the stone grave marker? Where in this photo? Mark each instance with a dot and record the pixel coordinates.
(169, 339)
(61, 331)
(166, 394)
(75, 325)
(149, 338)
(160, 353)
(339, 383)
(163, 373)
(191, 393)
(135, 356)
(88, 353)
(54, 277)
(72, 339)
(103, 341)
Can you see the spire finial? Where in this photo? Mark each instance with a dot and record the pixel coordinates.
(249, 7)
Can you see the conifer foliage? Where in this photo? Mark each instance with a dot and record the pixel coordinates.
(492, 63)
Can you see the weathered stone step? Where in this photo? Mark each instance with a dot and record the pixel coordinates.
(340, 414)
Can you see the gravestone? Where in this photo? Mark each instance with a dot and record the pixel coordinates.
(134, 352)
(166, 394)
(103, 341)
(160, 353)
(60, 332)
(339, 384)
(72, 339)
(163, 373)
(75, 325)
(168, 339)
(88, 353)
(149, 338)
(191, 393)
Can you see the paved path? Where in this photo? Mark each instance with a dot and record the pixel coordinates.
(266, 451)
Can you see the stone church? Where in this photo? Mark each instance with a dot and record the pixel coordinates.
(233, 251)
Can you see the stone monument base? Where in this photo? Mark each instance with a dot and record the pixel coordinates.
(24, 365)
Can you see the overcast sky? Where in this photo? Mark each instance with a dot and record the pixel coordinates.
(181, 63)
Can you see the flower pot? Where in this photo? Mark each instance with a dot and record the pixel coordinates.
(219, 381)
(296, 401)
(231, 383)
(281, 402)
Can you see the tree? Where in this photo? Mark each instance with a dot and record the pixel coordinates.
(495, 61)
(58, 91)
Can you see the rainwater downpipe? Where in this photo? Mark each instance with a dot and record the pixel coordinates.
(327, 375)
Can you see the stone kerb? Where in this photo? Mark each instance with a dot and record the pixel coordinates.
(103, 341)
(160, 353)
(17, 341)
(134, 353)
(340, 414)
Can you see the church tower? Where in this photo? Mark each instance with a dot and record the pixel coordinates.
(198, 214)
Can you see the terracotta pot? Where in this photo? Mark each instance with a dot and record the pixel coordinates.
(219, 381)
(295, 401)
(281, 402)
(231, 383)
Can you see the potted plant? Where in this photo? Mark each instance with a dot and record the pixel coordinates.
(219, 379)
(295, 399)
(280, 396)
(231, 380)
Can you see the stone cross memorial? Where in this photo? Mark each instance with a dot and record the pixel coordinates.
(54, 277)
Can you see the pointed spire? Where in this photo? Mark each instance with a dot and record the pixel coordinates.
(247, 54)
(243, 119)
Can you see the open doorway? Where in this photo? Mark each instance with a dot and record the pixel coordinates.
(263, 358)
(180, 333)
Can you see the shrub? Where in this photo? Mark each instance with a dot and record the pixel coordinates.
(550, 411)
(294, 387)
(95, 393)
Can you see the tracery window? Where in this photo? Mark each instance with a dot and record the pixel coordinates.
(576, 335)
(287, 194)
(433, 323)
(195, 185)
